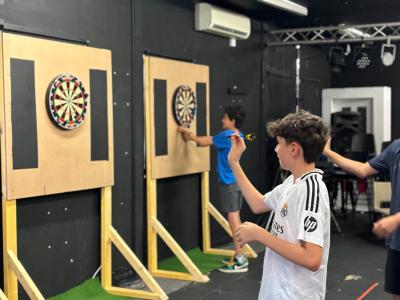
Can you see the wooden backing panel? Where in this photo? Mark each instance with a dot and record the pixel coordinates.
(64, 155)
(182, 158)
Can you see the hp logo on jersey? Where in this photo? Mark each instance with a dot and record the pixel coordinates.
(310, 224)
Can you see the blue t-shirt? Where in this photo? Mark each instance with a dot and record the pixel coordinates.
(223, 145)
(389, 161)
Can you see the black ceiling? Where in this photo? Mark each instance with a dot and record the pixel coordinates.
(321, 12)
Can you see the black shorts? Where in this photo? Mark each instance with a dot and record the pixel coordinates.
(230, 197)
(392, 274)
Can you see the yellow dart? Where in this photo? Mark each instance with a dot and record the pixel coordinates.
(250, 137)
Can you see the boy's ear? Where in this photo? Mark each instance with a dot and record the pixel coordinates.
(293, 148)
(296, 148)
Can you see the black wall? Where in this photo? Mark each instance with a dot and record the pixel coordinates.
(376, 75)
(279, 88)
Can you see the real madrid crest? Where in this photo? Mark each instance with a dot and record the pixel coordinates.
(284, 210)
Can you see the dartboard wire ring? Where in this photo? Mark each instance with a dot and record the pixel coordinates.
(66, 101)
(185, 106)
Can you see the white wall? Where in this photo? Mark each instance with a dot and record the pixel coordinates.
(377, 101)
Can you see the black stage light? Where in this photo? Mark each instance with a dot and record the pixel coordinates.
(336, 59)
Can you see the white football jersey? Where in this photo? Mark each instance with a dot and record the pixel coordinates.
(302, 213)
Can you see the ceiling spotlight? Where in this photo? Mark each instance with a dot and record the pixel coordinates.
(362, 57)
(348, 50)
(336, 59)
(354, 32)
(388, 53)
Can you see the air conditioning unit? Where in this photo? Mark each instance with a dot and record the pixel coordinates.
(222, 22)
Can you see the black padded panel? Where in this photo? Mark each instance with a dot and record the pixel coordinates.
(23, 114)
(160, 116)
(201, 96)
(99, 115)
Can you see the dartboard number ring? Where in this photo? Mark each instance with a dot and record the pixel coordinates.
(67, 101)
(185, 106)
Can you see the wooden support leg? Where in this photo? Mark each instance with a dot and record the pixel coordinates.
(151, 232)
(205, 200)
(209, 209)
(137, 265)
(106, 257)
(9, 243)
(225, 225)
(23, 277)
(110, 236)
(2, 296)
(180, 254)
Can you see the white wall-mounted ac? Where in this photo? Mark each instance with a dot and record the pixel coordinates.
(222, 22)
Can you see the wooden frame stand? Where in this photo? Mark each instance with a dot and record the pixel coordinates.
(93, 66)
(109, 237)
(154, 228)
(209, 209)
(15, 272)
(156, 68)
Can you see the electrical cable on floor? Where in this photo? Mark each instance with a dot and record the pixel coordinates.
(97, 272)
(363, 295)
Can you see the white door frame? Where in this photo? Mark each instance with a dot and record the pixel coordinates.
(381, 106)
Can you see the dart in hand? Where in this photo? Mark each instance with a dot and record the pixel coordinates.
(251, 137)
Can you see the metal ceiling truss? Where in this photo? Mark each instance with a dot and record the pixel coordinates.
(335, 34)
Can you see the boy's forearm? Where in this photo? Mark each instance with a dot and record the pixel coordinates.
(296, 253)
(253, 197)
(202, 141)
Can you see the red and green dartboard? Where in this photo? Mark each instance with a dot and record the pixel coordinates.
(67, 101)
(185, 106)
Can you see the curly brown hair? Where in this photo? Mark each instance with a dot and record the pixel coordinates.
(304, 128)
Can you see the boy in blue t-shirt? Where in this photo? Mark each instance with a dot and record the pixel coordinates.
(230, 197)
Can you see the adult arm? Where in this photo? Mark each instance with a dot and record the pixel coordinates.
(360, 169)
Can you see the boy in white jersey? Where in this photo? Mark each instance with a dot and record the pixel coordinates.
(297, 248)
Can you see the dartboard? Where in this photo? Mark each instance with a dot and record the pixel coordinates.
(185, 105)
(67, 101)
